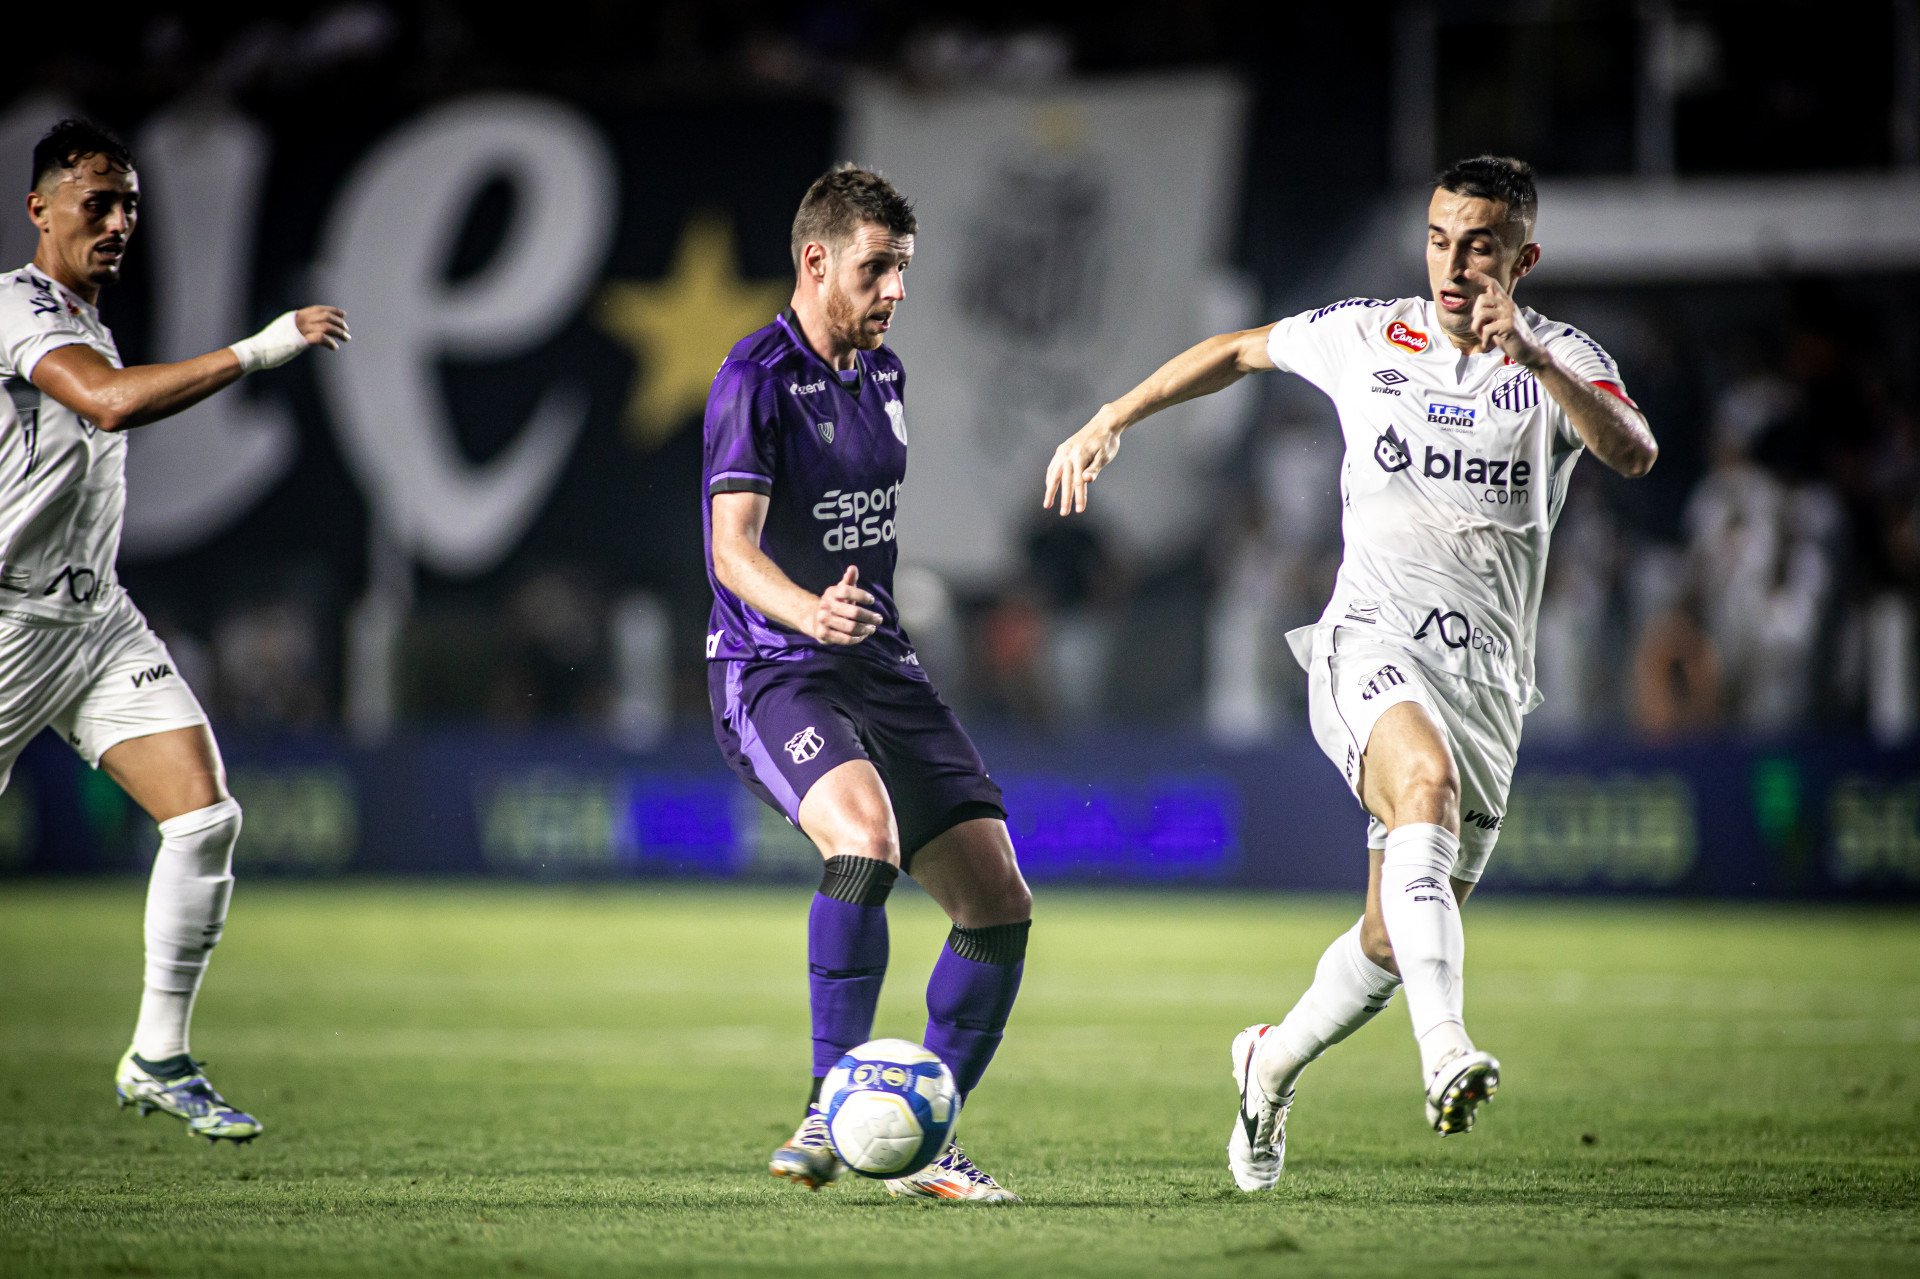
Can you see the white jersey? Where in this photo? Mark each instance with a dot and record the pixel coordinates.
(1456, 469)
(63, 486)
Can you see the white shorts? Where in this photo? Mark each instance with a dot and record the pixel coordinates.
(1351, 681)
(97, 684)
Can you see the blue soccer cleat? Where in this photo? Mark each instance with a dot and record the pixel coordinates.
(186, 1095)
(807, 1158)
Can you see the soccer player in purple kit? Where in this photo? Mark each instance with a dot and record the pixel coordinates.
(819, 702)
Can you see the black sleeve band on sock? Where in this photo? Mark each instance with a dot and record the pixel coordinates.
(813, 1097)
(1000, 944)
(859, 881)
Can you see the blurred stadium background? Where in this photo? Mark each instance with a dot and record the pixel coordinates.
(443, 596)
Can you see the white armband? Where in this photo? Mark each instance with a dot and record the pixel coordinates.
(270, 347)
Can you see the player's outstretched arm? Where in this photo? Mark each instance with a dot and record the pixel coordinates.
(838, 615)
(119, 399)
(1199, 370)
(1613, 430)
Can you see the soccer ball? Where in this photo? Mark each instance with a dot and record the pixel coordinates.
(890, 1107)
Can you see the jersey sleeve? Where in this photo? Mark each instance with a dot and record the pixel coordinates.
(1314, 343)
(1587, 360)
(741, 415)
(32, 323)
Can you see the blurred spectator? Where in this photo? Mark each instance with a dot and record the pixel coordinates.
(1766, 544)
(1676, 674)
(1273, 571)
(555, 663)
(1078, 582)
(1576, 656)
(270, 671)
(1010, 675)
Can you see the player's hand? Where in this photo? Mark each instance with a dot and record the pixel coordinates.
(1078, 462)
(1499, 326)
(842, 615)
(323, 326)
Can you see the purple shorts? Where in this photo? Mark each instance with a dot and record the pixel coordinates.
(785, 725)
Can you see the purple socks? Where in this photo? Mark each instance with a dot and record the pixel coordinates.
(847, 954)
(971, 994)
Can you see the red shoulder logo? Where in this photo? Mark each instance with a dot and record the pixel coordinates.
(1408, 338)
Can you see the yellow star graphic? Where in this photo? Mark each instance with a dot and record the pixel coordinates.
(679, 328)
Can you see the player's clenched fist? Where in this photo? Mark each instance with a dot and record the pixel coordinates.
(1499, 326)
(1078, 462)
(842, 615)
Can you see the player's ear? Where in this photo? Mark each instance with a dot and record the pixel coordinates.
(1529, 258)
(37, 208)
(813, 260)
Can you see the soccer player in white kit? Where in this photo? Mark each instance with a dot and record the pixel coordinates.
(75, 654)
(1463, 415)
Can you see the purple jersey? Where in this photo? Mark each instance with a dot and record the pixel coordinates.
(830, 453)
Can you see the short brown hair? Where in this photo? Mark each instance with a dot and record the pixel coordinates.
(840, 200)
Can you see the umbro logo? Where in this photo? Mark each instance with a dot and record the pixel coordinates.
(1392, 377)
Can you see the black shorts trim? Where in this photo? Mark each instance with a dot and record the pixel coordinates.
(967, 810)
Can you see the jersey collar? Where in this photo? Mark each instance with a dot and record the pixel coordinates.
(72, 299)
(791, 323)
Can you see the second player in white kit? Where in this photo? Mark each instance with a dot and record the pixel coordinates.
(1463, 415)
(75, 654)
(1456, 468)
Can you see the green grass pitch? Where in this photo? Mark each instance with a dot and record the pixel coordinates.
(586, 1081)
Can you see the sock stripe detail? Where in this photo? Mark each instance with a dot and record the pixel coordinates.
(843, 974)
(858, 881)
(998, 944)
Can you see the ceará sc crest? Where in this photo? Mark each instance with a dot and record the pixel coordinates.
(805, 744)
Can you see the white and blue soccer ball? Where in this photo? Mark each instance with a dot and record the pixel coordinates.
(890, 1107)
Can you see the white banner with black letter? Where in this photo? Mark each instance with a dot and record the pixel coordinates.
(1071, 240)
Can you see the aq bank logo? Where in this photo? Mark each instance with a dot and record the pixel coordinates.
(1391, 452)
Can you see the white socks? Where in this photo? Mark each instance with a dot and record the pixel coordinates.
(1423, 923)
(1348, 991)
(186, 912)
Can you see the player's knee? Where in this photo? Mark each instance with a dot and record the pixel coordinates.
(989, 900)
(876, 844)
(1015, 901)
(204, 838)
(1429, 791)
